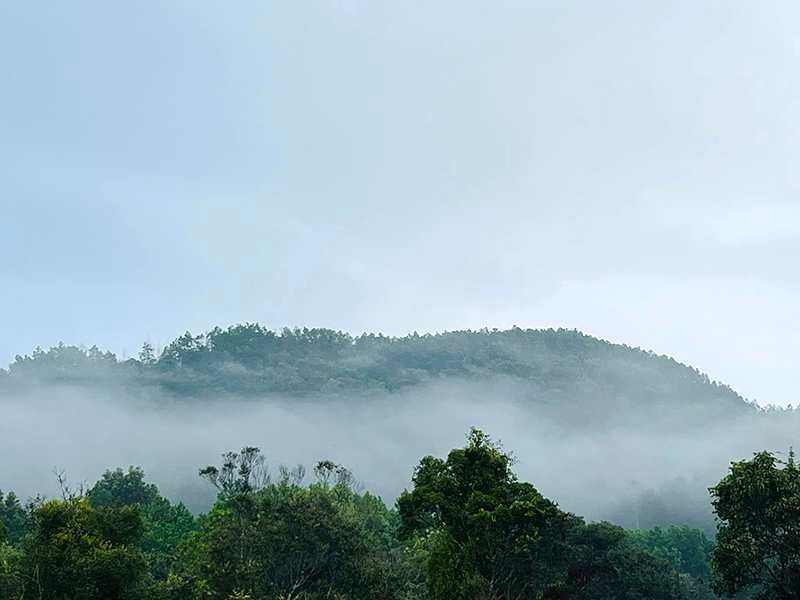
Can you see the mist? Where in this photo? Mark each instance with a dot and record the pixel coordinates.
(630, 469)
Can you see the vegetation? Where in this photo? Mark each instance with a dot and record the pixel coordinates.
(758, 543)
(561, 367)
(466, 529)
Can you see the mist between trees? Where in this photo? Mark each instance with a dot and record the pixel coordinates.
(609, 432)
(466, 528)
(633, 471)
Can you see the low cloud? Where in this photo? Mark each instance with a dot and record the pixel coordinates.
(633, 471)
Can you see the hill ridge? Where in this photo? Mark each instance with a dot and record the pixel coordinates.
(564, 365)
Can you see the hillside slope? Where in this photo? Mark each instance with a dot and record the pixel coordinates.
(561, 369)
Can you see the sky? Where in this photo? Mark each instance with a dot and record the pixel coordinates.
(629, 169)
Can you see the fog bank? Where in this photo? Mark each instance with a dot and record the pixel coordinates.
(615, 471)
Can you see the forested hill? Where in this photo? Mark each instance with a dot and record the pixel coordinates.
(554, 366)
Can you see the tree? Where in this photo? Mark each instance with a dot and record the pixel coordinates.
(164, 525)
(758, 540)
(147, 355)
(606, 563)
(121, 488)
(269, 540)
(77, 552)
(489, 536)
(493, 536)
(11, 581)
(688, 550)
(241, 473)
(13, 517)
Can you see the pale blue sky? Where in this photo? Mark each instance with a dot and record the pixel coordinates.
(626, 168)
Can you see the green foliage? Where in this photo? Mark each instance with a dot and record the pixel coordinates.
(489, 536)
(411, 567)
(14, 522)
(78, 552)
(606, 562)
(147, 355)
(688, 550)
(758, 540)
(64, 363)
(241, 473)
(11, 577)
(285, 540)
(121, 488)
(570, 370)
(492, 536)
(164, 524)
(467, 530)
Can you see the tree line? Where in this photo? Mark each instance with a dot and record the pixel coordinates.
(562, 367)
(466, 529)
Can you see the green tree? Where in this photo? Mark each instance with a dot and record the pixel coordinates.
(605, 563)
(13, 517)
(164, 525)
(122, 488)
(687, 549)
(285, 540)
(494, 537)
(758, 540)
(11, 580)
(76, 552)
(147, 355)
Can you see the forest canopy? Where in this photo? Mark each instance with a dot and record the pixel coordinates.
(466, 529)
(557, 366)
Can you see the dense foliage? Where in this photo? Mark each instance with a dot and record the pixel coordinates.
(758, 543)
(493, 537)
(560, 367)
(466, 529)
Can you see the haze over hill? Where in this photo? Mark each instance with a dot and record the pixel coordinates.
(611, 431)
(564, 368)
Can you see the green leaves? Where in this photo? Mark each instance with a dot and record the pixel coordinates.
(312, 542)
(758, 540)
(252, 360)
(11, 575)
(491, 528)
(163, 525)
(687, 549)
(490, 536)
(467, 530)
(121, 488)
(14, 521)
(76, 551)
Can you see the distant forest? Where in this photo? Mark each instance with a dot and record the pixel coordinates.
(558, 366)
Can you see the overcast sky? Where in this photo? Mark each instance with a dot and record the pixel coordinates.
(630, 169)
